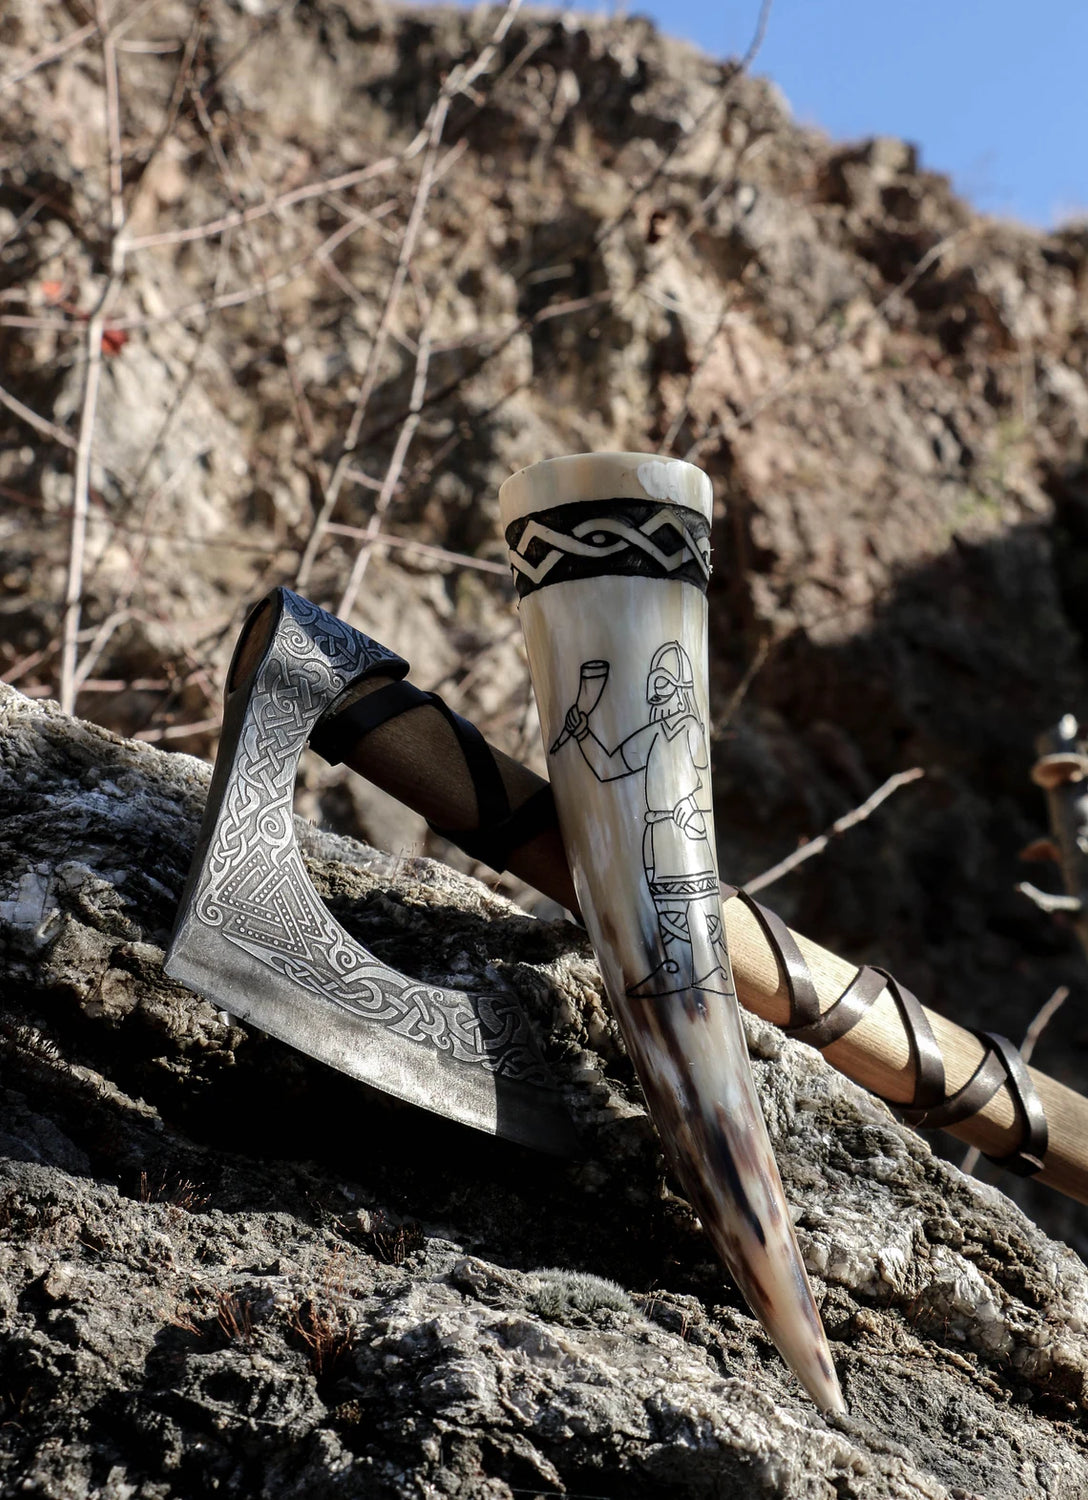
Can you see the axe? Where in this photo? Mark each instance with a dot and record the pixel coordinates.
(253, 935)
(499, 812)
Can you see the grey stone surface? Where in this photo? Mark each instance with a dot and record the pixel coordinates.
(224, 1267)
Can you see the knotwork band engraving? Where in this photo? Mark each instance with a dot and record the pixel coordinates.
(257, 893)
(588, 538)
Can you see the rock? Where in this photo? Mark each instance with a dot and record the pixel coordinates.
(223, 1266)
(626, 245)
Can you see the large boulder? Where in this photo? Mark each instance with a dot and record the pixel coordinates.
(223, 1266)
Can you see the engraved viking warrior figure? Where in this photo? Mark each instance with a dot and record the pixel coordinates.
(671, 749)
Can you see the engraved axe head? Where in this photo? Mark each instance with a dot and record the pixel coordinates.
(253, 935)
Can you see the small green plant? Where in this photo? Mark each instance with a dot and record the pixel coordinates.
(560, 1294)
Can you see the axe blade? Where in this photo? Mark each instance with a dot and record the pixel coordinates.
(253, 936)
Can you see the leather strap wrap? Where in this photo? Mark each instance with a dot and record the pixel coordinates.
(1001, 1063)
(500, 829)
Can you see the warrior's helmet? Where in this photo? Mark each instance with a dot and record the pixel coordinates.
(670, 679)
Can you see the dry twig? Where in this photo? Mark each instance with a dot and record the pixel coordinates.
(841, 825)
(1049, 901)
(377, 347)
(395, 466)
(459, 81)
(829, 337)
(424, 549)
(96, 324)
(240, 217)
(41, 425)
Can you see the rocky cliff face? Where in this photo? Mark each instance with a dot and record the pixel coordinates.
(594, 239)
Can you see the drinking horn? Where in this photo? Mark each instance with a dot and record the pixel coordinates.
(611, 558)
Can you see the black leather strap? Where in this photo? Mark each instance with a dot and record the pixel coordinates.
(499, 830)
(336, 736)
(493, 846)
(1001, 1064)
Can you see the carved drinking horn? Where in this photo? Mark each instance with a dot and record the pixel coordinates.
(611, 558)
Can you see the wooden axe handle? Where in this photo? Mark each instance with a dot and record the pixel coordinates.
(418, 757)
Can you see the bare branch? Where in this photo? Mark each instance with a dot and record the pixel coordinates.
(48, 55)
(239, 217)
(96, 324)
(822, 347)
(429, 139)
(98, 644)
(642, 187)
(393, 471)
(377, 347)
(697, 370)
(1050, 901)
(75, 39)
(740, 692)
(26, 217)
(303, 412)
(424, 549)
(179, 731)
(41, 425)
(841, 825)
(1042, 1021)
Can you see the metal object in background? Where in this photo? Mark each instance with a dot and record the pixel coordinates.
(1062, 772)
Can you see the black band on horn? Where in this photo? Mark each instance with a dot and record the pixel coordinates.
(594, 538)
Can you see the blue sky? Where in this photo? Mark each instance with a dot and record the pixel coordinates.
(994, 92)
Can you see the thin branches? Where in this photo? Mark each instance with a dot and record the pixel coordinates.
(377, 347)
(240, 217)
(1050, 901)
(459, 81)
(96, 325)
(840, 826)
(642, 187)
(396, 464)
(48, 55)
(822, 348)
(41, 425)
(421, 549)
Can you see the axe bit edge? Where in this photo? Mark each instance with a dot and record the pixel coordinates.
(253, 936)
